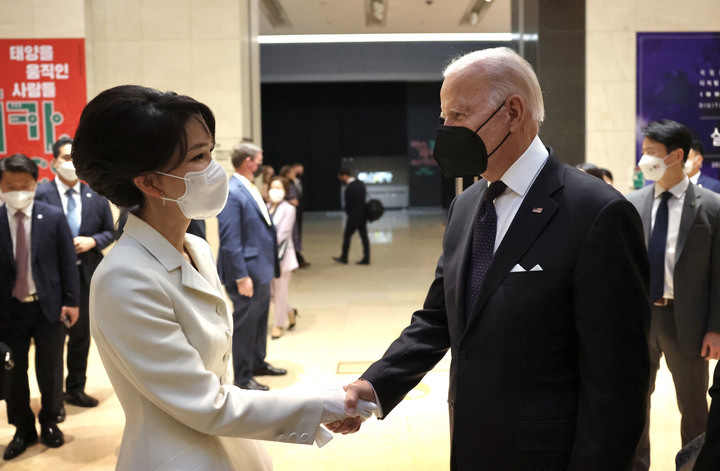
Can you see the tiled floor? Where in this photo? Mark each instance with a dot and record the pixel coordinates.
(348, 316)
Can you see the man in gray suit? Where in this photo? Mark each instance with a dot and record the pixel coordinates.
(683, 238)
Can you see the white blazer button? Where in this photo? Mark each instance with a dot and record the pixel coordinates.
(304, 438)
(219, 309)
(293, 437)
(228, 332)
(226, 356)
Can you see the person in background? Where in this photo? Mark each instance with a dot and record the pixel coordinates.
(91, 225)
(607, 176)
(540, 293)
(39, 290)
(355, 195)
(267, 172)
(247, 262)
(682, 233)
(283, 216)
(157, 311)
(693, 165)
(592, 169)
(299, 171)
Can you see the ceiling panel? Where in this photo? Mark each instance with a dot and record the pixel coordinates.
(402, 16)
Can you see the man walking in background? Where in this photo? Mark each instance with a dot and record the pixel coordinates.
(355, 195)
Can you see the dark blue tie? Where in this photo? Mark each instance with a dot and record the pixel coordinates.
(483, 245)
(656, 249)
(73, 216)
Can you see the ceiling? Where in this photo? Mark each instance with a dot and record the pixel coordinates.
(391, 16)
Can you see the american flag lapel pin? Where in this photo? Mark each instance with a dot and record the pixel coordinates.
(537, 210)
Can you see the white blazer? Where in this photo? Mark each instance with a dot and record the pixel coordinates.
(164, 333)
(284, 220)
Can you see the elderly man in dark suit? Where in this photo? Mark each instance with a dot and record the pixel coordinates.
(540, 293)
(38, 290)
(91, 225)
(682, 232)
(355, 196)
(247, 262)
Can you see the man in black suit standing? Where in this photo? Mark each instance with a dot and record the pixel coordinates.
(355, 195)
(540, 293)
(38, 290)
(682, 232)
(694, 163)
(91, 225)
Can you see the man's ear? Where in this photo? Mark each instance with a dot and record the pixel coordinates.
(516, 110)
(678, 155)
(147, 184)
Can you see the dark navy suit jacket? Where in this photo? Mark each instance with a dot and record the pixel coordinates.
(247, 242)
(52, 255)
(96, 222)
(709, 183)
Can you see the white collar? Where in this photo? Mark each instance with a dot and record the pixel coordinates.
(63, 188)
(523, 171)
(676, 190)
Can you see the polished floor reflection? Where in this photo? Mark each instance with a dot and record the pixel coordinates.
(349, 314)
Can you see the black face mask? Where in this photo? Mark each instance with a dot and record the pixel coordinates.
(460, 152)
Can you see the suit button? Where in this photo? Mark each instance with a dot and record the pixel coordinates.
(292, 438)
(452, 403)
(219, 309)
(226, 356)
(228, 332)
(304, 438)
(463, 354)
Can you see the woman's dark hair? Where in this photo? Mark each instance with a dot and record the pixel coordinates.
(128, 131)
(285, 182)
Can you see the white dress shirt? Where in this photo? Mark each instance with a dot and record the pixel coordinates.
(32, 289)
(256, 195)
(62, 189)
(675, 207)
(518, 178)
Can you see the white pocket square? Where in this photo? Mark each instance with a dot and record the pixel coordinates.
(519, 269)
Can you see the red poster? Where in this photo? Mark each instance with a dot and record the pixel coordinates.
(42, 93)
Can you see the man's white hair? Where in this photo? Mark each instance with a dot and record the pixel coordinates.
(506, 73)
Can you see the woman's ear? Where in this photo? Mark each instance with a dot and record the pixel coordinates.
(516, 112)
(146, 184)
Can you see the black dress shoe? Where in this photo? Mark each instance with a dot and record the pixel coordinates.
(253, 385)
(51, 436)
(61, 415)
(19, 444)
(80, 399)
(340, 260)
(268, 370)
(364, 261)
(292, 319)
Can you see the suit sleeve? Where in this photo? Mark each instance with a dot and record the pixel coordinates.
(709, 457)
(67, 262)
(137, 310)
(231, 240)
(611, 318)
(713, 321)
(107, 233)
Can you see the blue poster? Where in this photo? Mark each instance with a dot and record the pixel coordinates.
(678, 77)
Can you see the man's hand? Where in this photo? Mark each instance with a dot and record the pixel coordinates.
(360, 389)
(245, 287)
(71, 313)
(711, 346)
(83, 244)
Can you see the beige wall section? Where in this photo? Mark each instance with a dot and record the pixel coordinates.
(42, 19)
(611, 62)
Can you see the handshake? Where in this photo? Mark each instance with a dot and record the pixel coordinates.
(344, 410)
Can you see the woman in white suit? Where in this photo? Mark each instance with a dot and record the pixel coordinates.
(283, 216)
(157, 312)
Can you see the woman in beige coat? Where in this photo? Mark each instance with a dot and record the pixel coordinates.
(157, 311)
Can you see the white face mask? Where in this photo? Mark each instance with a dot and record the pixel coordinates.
(205, 194)
(653, 168)
(18, 200)
(276, 195)
(67, 171)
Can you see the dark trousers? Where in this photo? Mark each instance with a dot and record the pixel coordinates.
(25, 322)
(350, 228)
(78, 345)
(690, 376)
(250, 318)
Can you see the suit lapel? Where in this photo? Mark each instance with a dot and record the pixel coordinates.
(645, 209)
(86, 205)
(523, 231)
(693, 201)
(252, 201)
(466, 243)
(36, 230)
(199, 279)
